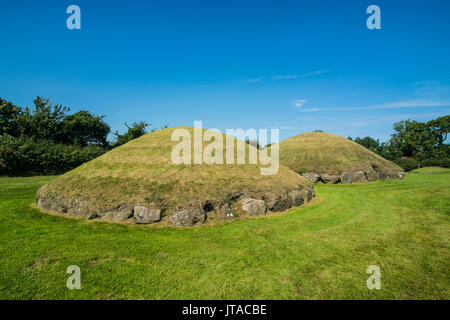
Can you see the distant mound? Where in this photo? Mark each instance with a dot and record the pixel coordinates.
(140, 179)
(329, 158)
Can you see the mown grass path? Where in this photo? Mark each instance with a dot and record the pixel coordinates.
(317, 252)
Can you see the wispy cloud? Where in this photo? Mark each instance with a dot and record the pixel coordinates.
(422, 83)
(434, 82)
(299, 103)
(411, 104)
(296, 76)
(288, 128)
(290, 76)
(390, 105)
(311, 110)
(255, 80)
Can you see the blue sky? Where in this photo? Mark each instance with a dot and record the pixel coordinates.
(294, 65)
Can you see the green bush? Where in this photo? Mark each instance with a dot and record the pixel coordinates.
(444, 163)
(26, 156)
(407, 164)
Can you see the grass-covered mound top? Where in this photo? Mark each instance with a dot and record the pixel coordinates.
(140, 179)
(330, 158)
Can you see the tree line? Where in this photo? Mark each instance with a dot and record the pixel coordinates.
(414, 144)
(47, 139)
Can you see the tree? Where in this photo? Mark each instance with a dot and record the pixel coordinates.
(369, 143)
(136, 130)
(44, 122)
(84, 128)
(439, 128)
(413, 139)
(9, 114)
(46, 140)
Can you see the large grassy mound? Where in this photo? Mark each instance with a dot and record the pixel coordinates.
(141, 178)
(330, 158)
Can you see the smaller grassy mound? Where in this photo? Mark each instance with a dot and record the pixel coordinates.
(140, 178)
(330, 158)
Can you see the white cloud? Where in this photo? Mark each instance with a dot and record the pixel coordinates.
(296, 76)
(410, 104)
(299, 103)
(255, 80)
(310, 110)
(290, 76)
(390, 105)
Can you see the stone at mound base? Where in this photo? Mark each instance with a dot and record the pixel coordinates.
(145, 215)
(359, 176)
(116, 216)
(347, 177)
(254, 207)
(371, 176)
(329, 178)
(223, 211)
(188, 217)
(297, 197)
(382, 175)
(47, 205)
(121, 213)
(354, 177)
(312, 176)
(279, 203)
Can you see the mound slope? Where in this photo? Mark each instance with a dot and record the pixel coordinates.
(140, 179)
(329, 158)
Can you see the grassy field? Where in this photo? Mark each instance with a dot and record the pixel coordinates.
(320, 251)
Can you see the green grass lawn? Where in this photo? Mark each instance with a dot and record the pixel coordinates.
(320, 251)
